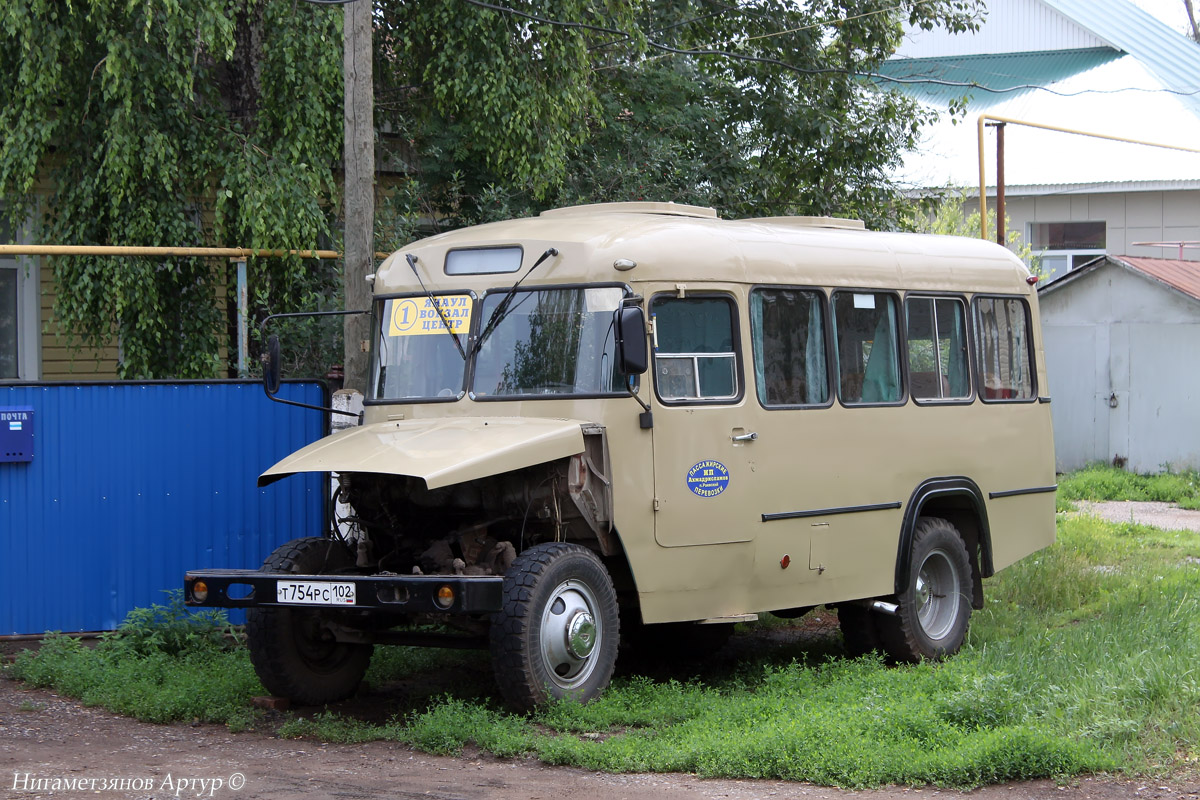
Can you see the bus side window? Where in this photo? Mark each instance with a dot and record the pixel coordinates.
(937, 348)
(694, 356)
(788, 331)
(1002, 336)
(868, 348)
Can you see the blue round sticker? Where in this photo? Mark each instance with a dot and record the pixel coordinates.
(708, 478)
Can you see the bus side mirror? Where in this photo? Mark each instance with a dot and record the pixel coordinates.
(632, 356)
(271, 366)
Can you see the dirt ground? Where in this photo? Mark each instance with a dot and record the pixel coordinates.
(44, 737)
(47, 741)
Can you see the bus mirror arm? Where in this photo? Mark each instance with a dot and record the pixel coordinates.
(633, 356)
(646, 418)
(272, 368)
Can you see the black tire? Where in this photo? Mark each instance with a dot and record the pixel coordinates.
(292, 653)
(557, 632)
(935, 610)
(858, 630)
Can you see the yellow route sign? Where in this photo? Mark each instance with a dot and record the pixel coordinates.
(413, 316)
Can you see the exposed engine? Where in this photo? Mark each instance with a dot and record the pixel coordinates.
(474, 528)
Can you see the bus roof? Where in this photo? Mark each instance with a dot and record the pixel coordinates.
(681, 243)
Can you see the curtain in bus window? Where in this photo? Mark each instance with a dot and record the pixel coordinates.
(881, 379)
(789, 347)
(814, 354)
(960, 382)
(1004, 349)
(758, 336)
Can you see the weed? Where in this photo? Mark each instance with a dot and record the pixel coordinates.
(163, 664)
(1098, 482)
(172, 629)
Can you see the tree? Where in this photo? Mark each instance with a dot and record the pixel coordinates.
(945, 214)
(756, 109)
(219, 122)
(206, 122)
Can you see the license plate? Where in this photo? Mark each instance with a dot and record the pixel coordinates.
(314, 593)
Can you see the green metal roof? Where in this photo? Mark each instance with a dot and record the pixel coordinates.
(996, 76)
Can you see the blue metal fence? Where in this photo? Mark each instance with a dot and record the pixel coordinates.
(133, 483)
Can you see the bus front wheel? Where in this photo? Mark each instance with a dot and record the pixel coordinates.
(556, 634)
(291, 648)
(934, 610)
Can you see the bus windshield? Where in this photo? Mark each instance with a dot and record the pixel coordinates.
(549, 342)
(416, 357)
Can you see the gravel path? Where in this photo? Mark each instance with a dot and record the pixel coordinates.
(1168, 516)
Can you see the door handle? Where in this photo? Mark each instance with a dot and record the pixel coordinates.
(745, 437)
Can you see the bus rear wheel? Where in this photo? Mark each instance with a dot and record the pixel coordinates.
(933, 612)
(293, 652)
(557, 632)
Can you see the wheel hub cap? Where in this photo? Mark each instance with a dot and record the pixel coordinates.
(937, 595)
(581, 635)
(570, 634)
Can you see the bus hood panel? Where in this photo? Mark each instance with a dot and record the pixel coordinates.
(442, 451)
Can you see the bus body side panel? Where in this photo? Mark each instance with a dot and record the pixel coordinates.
(1021, 500)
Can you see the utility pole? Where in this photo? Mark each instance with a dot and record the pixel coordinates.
(359, 189)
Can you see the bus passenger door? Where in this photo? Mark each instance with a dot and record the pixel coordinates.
(702, 480)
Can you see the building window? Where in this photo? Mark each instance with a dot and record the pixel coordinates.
(18, 311)
(1064, 246)
(8, 321)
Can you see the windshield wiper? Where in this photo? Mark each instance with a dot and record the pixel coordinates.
(412, 264)
(502, 308)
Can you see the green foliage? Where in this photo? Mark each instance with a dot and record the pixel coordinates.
(219, 122)
(1098, 482)
(163, 664)
(945, 214)
(171, 629)
(766, 109)
(208, 122)
(215, 687)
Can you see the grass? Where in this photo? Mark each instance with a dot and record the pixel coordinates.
(1101, 482)
(1085, 659)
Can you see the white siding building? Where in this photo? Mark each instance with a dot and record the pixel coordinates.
(1122, 338)
(1102, 66)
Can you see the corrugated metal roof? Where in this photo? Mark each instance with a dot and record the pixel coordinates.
(1141, 91)
(1045, 189)
(1169, 55)
(996, 75)
(1181, 276)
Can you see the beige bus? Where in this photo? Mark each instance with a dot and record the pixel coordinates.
(639, 420)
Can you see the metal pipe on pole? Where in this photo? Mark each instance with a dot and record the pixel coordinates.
(1000, 234)
(984, 118)
(236, 254)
